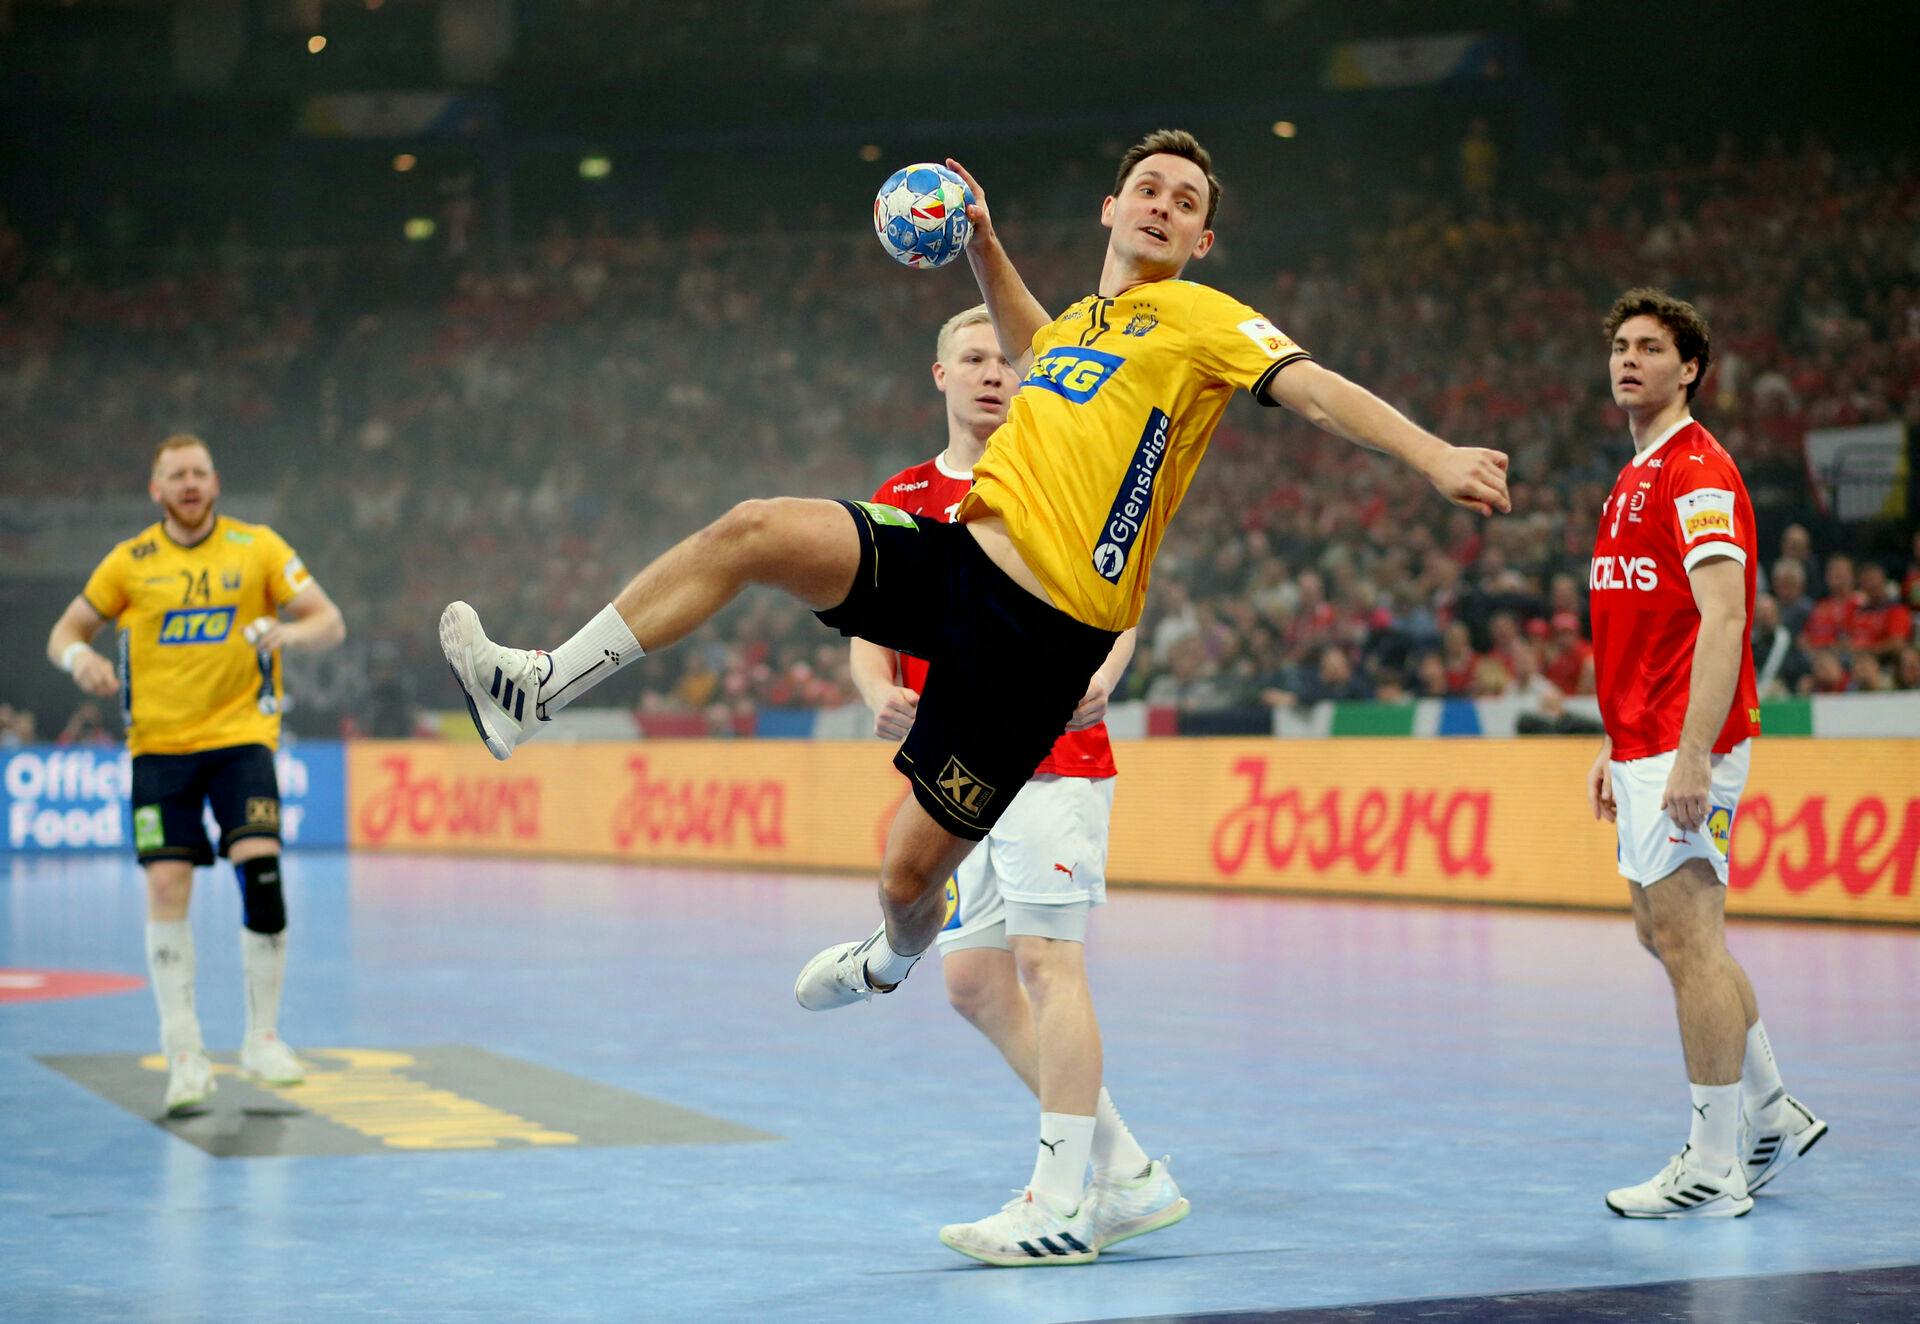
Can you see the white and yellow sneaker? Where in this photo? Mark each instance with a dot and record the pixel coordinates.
(1027, 1232)
(1685, 1188)
(267, 1059)
(502, 685)
(190, 1081)
(1783, 1131)
(1135, 1206)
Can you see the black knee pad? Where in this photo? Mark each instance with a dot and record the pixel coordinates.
(262, 907)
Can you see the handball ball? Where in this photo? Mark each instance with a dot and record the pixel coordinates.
(920, 215)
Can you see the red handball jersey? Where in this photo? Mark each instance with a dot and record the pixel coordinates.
(1676, 503)
(934, 490)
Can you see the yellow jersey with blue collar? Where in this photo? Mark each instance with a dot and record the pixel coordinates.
(189, 680)
(1104, 435)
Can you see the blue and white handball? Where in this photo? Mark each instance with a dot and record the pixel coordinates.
(920, 215)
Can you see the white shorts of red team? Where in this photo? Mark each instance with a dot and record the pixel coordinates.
(1653, 845)
(1040, 870)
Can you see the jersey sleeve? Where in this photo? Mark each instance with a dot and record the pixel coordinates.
(106, 590)
(1238, 346)
(286, 573)
(1705, 505)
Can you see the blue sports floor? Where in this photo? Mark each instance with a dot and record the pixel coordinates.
(1365, 1103)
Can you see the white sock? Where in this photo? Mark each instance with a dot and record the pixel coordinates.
(1716, 1119)
(1115, 1151)
(886, 967)
(263, 956)
(603, 645)
(1060, 1169)
(170, 964)
(1759, 1075)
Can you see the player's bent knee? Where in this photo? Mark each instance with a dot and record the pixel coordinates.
(263, 907)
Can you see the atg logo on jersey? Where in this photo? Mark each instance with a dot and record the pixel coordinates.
(1073, 372)
(1133, 501)
(196, 625)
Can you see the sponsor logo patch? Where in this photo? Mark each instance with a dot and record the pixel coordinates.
(953, 920)
(147, 832)
(263, 811)
(196, 625)
(1705, 512)
(1719, 829)
(1073, 373)
(1271, 339)
(889, 515)
(1133, 501)
(961, 789)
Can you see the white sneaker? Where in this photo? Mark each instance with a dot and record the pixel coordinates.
(837, 977)
(501, 684)
(1027, 1233)
(267, 1059)
(1135, 1206)
(1684, 1189)
(1784, 1131)
(189, 1081)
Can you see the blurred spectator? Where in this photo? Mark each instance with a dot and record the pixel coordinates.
(1828, 675)
(1778, 663)
(1789, 580)
(1569, 657)
(1458, 658)
(87, 727)
(1832, 618)
(1881, 624)
(1333, 681)
(16, 726)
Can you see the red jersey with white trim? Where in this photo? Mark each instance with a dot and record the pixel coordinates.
(933, 490)
(1677, 503)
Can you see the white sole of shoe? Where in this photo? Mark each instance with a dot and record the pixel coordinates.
(180, 1107)
(459, 623)
(1021, 1260)
(1724, 1206)
(284, 1083)
(1167, 1217)
(1789, 1156)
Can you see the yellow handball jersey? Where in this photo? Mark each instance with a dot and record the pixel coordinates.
(1105, 433)
(189, 680)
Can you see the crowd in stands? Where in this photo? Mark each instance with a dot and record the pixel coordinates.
(525, 431)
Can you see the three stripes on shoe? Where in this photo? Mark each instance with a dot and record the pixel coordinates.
(1073, 1246)
(514, 700)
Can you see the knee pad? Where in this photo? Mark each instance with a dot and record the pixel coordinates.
(262, 907)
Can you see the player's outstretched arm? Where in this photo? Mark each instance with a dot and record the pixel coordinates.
(69, 647)
(876, 674)
(1092, 709)
(1465, 475)
(1017, 315)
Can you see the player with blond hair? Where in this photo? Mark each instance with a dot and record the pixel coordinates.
(198, 599)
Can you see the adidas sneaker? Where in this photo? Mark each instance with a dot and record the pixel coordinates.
(502, 685)
(1028, 1232)
(837, 977)
(190, 1081)
(1134, 1206)
(1783, 1132)
(1685, 1188)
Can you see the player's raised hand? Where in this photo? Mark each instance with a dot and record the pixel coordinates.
(1092, 709)
(95, 675)
(977, 209)
(1472, 477)
(894, 717)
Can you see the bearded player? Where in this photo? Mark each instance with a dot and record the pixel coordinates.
(198, 599)
(1672, 588)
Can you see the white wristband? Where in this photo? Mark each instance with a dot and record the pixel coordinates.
(71, 655)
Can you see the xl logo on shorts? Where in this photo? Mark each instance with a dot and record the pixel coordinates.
(263, 811)
(963, 790)
(1073, 372)
(196, 625)
(1133, 501)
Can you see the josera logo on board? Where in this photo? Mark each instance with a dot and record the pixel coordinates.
(1827, 828)
(61, 798)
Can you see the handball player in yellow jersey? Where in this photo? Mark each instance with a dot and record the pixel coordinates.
(197, 598)
(1017, 604)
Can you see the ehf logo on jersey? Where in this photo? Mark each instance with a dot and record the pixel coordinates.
(1073, 372)
(1133, 501)
(196, 625)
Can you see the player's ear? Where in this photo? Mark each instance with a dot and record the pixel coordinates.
(1106, 212)
(939, 376)
(1205, 245)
